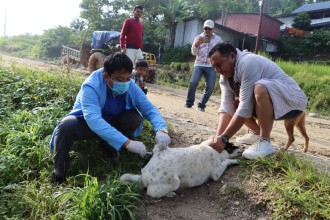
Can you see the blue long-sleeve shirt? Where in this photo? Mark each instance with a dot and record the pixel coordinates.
(91, 100)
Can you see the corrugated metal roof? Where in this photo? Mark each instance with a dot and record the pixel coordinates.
(313, 7)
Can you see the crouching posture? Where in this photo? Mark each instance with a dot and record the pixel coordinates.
(263, 90)
(109, 106)
(174, 168)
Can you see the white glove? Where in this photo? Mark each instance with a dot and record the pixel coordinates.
(137, 147)
(162, 139)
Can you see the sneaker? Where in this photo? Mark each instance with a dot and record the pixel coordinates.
(248, 138)
(261, 148)
(201, 109)
(187, 106)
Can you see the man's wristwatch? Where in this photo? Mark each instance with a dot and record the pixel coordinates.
(164, 130)
(224, 138)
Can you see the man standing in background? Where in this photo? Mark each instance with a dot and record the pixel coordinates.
(131, 37)
(160, 53)
(201, 47)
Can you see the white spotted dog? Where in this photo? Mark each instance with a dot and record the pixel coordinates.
(174, 168)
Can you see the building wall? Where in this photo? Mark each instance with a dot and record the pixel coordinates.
(187, 31)
(287, 22)
(242, 22)
(270, 28)
(249, 23)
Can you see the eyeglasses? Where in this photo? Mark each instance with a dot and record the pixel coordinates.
(207, 29)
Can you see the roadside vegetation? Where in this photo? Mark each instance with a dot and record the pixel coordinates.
(291, 186)
(31, 104)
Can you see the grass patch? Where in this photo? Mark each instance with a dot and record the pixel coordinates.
(293, 188)
(30, 105)
(21, 46)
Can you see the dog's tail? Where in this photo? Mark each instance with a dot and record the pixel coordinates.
(132, 179)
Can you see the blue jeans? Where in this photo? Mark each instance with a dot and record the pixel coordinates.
(160, 58)
(210, 78)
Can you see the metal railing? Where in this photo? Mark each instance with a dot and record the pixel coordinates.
(72, 53)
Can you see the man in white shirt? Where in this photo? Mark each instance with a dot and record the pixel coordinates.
(261, 89)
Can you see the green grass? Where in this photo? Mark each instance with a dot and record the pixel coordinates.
(21, 46)
(30, 105)
(294, 188)
(314, 79)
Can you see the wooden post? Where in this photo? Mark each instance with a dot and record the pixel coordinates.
(259, 27)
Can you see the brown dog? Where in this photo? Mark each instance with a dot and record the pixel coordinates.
(299, 122)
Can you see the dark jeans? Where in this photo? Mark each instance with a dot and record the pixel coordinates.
(72, 129)
(210, 78)
(160, 58)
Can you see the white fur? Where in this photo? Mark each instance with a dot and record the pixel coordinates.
(174, 168)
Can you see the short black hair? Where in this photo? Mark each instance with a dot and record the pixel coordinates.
(141, 63)
(118, 62)
(138, 7)
(224, 49)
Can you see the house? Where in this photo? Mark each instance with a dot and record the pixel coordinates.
(187, 30)
(319, 14)
(241, 34)
(249, 23)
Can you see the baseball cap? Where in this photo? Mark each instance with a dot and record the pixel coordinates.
(209, 24)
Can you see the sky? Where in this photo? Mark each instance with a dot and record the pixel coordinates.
(34, 16)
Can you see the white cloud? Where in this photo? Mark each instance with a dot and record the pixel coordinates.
(34, 16)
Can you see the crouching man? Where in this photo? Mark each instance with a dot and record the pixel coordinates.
(264, 91)
(110, 106)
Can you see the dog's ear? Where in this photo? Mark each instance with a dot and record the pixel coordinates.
(230, 147)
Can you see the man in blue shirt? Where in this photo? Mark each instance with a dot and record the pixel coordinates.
(110, 106)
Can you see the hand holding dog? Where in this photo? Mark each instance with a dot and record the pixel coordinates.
(217, 144)
(137, 147)
(162, 139)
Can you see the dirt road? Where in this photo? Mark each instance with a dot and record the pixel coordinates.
(231, 196)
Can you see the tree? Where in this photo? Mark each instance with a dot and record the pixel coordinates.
(52, 40)
(78, 24)
(103, 14)
(302, 21)
(278, 7)
(319, 41)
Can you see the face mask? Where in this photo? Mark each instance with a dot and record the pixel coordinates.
(120, 88)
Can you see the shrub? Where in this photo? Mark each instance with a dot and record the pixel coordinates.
(178, 54)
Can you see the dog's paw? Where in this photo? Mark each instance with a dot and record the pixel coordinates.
(170, 194)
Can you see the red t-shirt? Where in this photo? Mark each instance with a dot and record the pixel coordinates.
(132, 33)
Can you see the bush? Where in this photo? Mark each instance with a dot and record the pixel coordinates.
(180, 73)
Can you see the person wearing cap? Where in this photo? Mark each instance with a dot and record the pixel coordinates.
(201, 47)
(131, 37)
(109, 106)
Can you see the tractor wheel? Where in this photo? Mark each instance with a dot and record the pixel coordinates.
(96, 61)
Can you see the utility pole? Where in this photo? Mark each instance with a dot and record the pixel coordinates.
(4, 27)
(261, 6)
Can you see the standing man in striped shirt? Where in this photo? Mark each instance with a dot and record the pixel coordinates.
(261, 89)
(131, 37)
